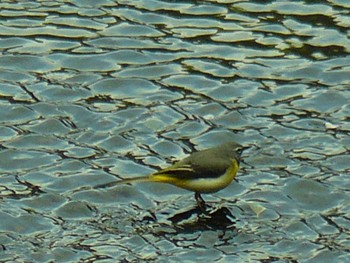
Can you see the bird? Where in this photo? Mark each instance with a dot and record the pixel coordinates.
(205, 171)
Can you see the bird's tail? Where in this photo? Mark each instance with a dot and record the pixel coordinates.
(125, 181)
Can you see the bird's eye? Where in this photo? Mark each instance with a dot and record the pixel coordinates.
(239, 150)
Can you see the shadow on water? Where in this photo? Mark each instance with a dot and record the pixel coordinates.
(191, 221)
(196, 220)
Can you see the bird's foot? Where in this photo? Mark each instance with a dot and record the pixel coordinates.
(200, 202)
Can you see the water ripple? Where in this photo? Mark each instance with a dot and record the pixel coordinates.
(95, 91)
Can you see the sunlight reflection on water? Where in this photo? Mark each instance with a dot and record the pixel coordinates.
(96, 90)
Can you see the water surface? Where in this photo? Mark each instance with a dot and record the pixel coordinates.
(94, 91)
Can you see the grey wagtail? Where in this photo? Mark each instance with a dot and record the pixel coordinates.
(205, 171)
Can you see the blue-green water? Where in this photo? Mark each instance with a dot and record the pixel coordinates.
(94, 91)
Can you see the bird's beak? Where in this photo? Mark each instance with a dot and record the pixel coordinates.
(246, 147)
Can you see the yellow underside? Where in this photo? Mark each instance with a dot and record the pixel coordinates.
(200, 185)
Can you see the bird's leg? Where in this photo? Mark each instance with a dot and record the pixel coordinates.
(200, 202)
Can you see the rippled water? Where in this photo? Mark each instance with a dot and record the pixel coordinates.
(93, 91)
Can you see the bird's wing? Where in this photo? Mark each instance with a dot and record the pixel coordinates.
(191, 169)
(179, 170)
